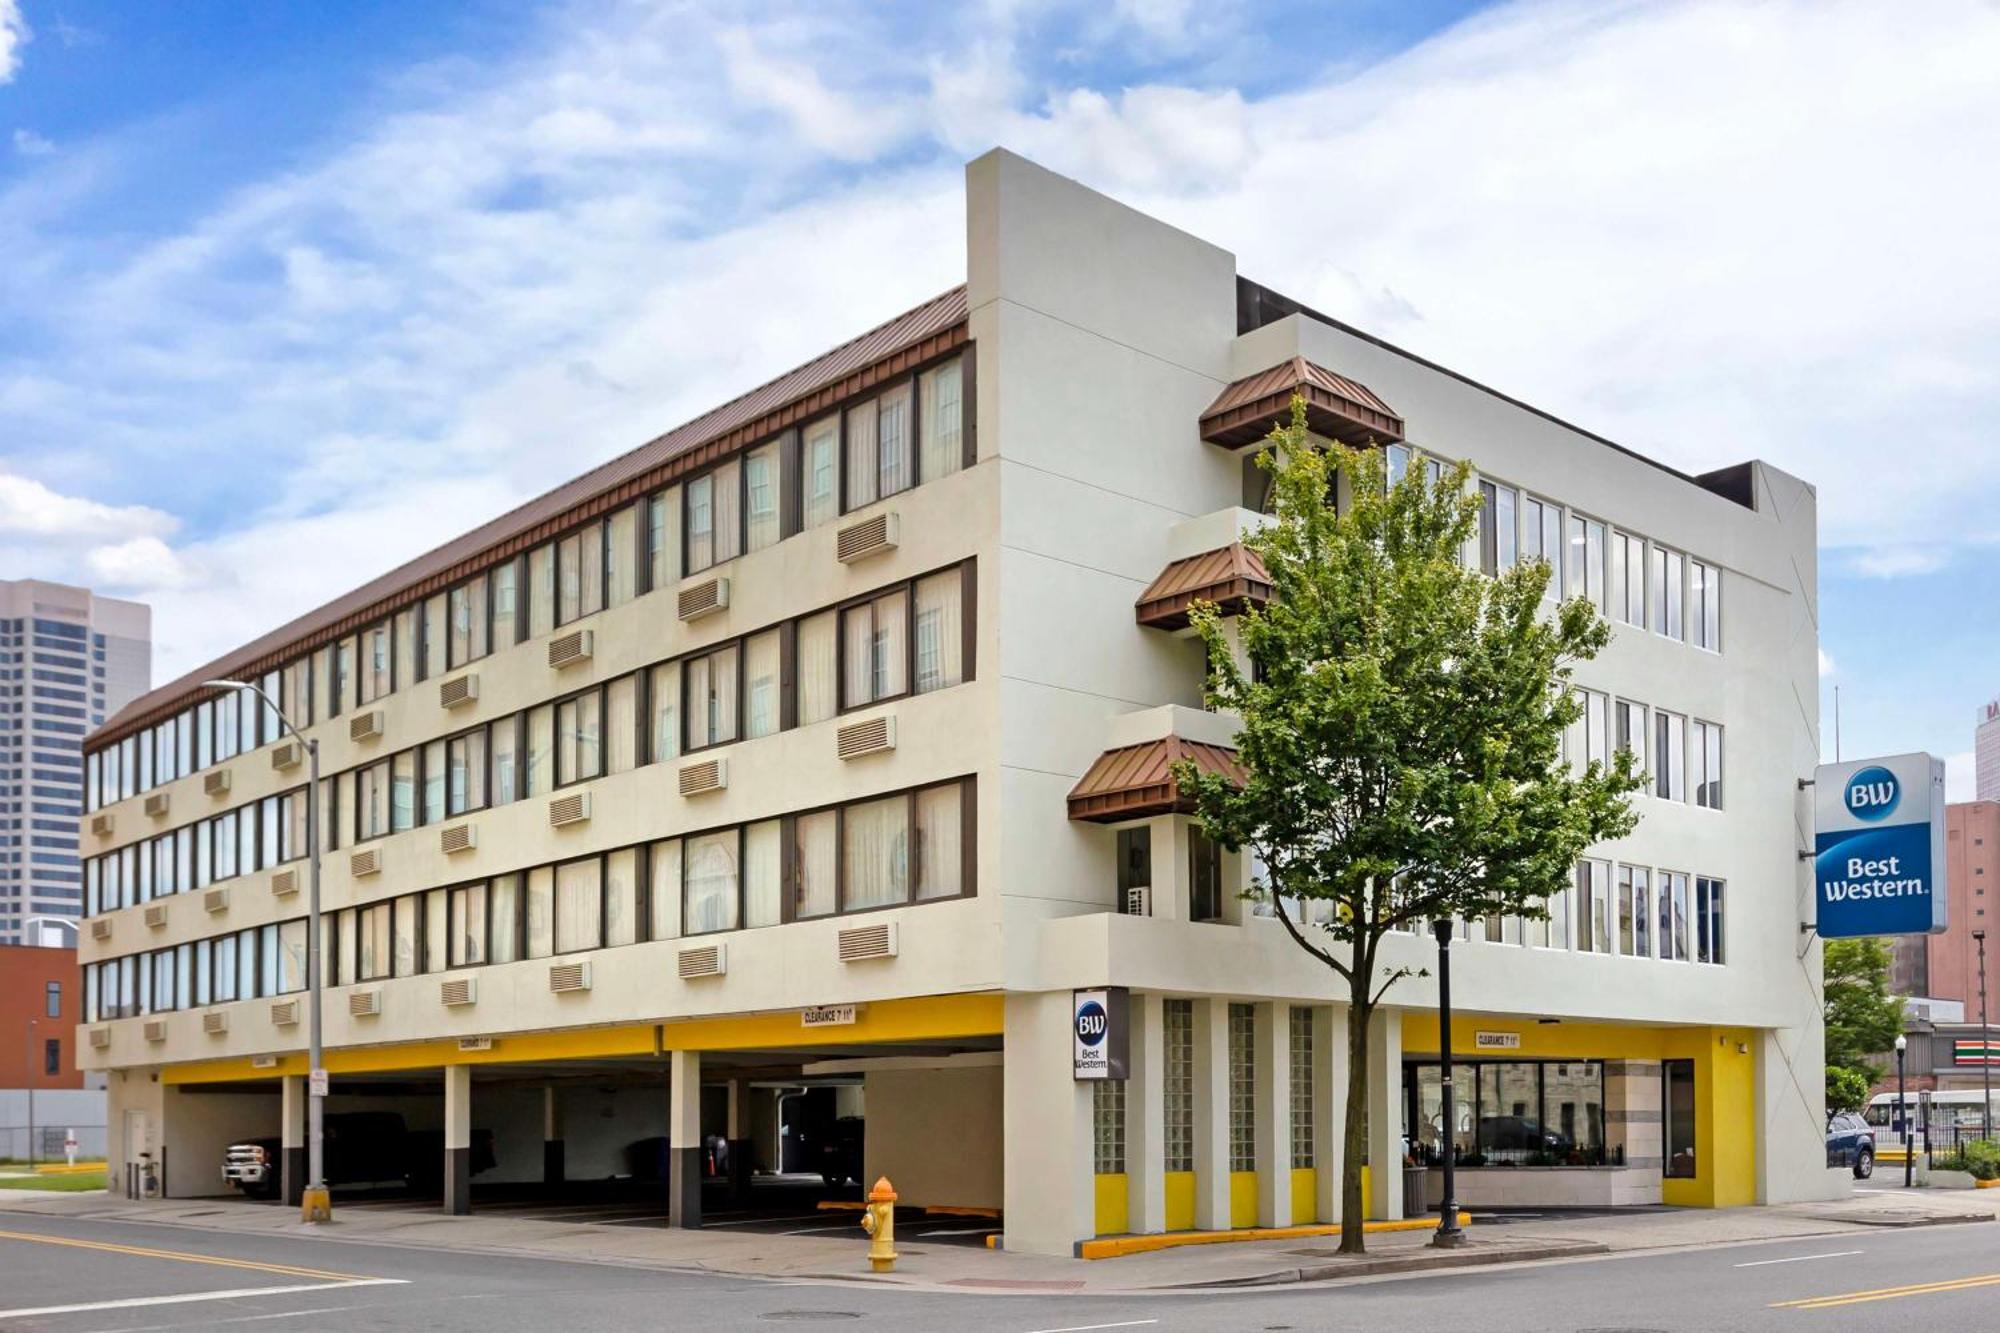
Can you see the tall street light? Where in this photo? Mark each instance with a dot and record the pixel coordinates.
(317, 1204)
(1903, 1116)
(1448, 1236)
(1985, 1046)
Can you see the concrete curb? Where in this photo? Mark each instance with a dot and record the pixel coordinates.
(1394, 1265)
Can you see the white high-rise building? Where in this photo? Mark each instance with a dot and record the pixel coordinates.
(68, 660)
(1986, 753)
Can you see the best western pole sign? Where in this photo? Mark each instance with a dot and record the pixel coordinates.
(1103, 1031)
(1879, 855)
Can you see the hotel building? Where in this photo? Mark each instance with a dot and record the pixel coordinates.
(818, 749)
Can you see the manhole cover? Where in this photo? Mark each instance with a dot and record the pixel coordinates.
(808, 1316)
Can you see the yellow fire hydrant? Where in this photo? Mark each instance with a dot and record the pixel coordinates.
(879, 1221)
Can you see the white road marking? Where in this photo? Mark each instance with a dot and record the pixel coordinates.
(239, 1319)
(1800, 1258)
(1088, 1328)
(185, 1298)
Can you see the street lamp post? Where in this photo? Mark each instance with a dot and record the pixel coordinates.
(1449, 1236)
(1985, 1046)
(316, 1205)
(1902, 1115)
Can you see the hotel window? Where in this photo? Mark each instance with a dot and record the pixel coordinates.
(940, 647)
(225, 845)
(1107, 1121)
(621, 725)
(875, 649)
(940, 854)
(434, 782)
(373, 943)
(580, 573)
(1588, 740)
(1669, 755)
(1705, 757)
(377, 662)
(541, 912)
(404, 926)
(1498, 530)
(763, 873)
(1593, 900)
(1552, 930)
(878, 448)
(712, 508)
(663, 696)
(621, 556)
(298, 705)
(403, 791)
(817, 647)
(760, 684)
(1242, 1087)
(710, 682)
(1708, 920)
(579, 905)
(504, 739)
(658, 575)
(226, 737)
(1634, 934)
(503, 941)
(711, 867)
(506, 606)
(541, 590)
(437, 930)
(1705, 604)
(1585, 571)
(1674, 916)
(1177, 1084)
(815, 864)
(1628, 578)
(408, 638)
(465, 766)
(579, 738)
(1628, 731)
(663, 887)
(1135, 870)
(433, 650)
(1542, 539)
(1204, 876)
(1304, 1158)
(943, 431)
(820, 467)
(761, 525)
(467, 924)
(468, 622)
(1666, 617)
(875, 851)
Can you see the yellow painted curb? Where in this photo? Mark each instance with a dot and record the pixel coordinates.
(841, 1205)
(961, 1212)
(1986, 1184)
(65, 1169)
(1118, 1246)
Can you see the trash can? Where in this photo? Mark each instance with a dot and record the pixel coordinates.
(1416, 1183)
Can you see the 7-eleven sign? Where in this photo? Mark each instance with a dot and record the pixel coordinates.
(1973, 1051)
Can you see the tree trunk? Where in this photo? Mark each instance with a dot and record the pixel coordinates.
(1354, 1132)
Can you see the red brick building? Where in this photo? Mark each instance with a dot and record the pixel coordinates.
(41, 1003)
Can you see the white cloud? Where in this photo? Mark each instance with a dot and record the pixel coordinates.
(14, 35)
(30, 144)
(1895, 562)
(28, 509)
(1826, 667)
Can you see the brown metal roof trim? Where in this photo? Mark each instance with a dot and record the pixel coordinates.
(1232, 577)
(933, 329)
(1336, 407)
(1136, 781)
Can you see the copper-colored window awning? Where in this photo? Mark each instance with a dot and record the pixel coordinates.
(1232, 577)
(1336, 407)
(1136, 781)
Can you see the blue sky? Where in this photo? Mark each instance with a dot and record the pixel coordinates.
(337, 280)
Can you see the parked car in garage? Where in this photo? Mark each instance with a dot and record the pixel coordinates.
(1850, 1143)
(361, 1147)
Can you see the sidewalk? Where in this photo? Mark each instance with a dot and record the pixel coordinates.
(965, 1268)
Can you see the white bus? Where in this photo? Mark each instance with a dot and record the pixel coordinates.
(1956, 1109)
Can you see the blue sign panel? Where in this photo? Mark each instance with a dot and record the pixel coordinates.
(1878, 863)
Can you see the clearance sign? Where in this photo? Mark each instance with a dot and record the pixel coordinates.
(1878, 857)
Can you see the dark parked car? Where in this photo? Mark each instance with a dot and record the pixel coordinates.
(362, 1147)
(840, 1151)
(1519, 1133)
(1850, 1142)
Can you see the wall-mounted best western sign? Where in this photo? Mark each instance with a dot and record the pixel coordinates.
(1103, 1032)
(1878, 863)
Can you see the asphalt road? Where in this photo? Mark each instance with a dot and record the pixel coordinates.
(69, 1276)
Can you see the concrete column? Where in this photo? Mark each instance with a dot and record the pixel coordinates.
(737, 1132)
(292, 1138)
(1169, 844)
(552, 1135)
(1329, 1104)
(684, 1139)
(1145, 1117)
(1274, 1115)
(1385, 1114)
(1211, 1114)
(458, 1139)
(1048, 1185)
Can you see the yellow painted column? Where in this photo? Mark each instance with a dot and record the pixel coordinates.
(1145, 1114)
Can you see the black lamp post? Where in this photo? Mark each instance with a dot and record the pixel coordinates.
(1902, 1115)
(1449, 1236)
(1985, 1046)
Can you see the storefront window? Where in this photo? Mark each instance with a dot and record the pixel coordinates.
(1512, 1113)
(1677, 1079)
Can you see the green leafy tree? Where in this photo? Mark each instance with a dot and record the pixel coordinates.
(1401, 730)
(1862, 1018)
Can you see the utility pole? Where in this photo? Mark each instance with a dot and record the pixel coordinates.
(1985, 1046)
